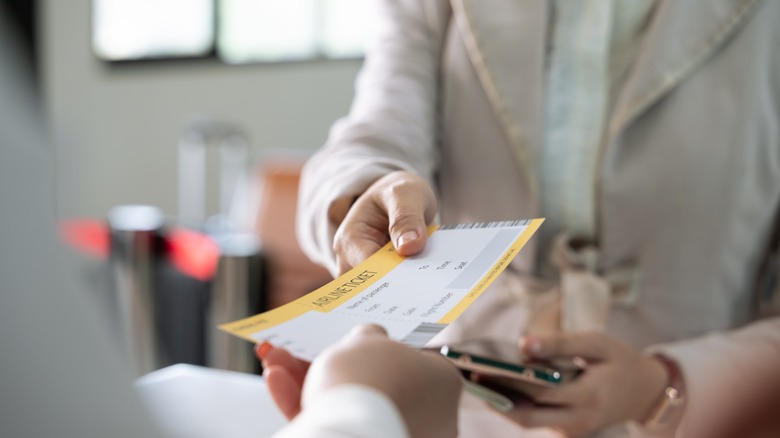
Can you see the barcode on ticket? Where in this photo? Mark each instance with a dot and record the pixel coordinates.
(475, 225)
(422, 334)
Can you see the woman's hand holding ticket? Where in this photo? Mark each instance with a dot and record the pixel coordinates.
(396, 207)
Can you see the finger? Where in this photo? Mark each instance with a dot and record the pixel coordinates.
(285, 390)
(589, 345)
(350, 251)
(572, 394)
(362, 233)
(358, 248)
(262, 349)
(410, 205)
(364, 331)
(573, 422)
(408, 234)
(369, 330)
(279, 357)
(343, 265)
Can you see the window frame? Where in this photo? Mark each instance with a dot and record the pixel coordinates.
(212, 56)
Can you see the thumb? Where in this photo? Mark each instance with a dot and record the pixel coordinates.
(364, 331)
(408, 234)
(360, 335)
(407, 216)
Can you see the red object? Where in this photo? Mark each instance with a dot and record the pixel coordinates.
(193, 253)
(88, 235)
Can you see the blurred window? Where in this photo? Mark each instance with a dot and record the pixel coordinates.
(237, 31)
(143, 29)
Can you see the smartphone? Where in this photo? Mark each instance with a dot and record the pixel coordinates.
(501, 367)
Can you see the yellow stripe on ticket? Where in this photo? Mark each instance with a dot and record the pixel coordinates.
(499, 267)
(245, 327)
(356, 280)
(353, 282)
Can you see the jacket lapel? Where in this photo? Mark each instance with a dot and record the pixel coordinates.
(680, 37)
(506, 43)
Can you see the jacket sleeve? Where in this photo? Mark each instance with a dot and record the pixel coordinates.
(723, 371)
(390, 126)
(727, 374)
(347, 411)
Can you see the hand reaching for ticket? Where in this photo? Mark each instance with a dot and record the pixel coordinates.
(396, 207)
(424, 387)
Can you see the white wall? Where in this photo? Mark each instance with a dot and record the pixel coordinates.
(116, 129)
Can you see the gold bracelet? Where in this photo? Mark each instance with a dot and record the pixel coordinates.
(668, 409)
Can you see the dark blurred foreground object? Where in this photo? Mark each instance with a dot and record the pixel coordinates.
(61, 374)
(22, 17)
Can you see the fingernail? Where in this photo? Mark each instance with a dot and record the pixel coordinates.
(408, 237)
(263, 349)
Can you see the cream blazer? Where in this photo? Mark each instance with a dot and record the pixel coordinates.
(688, 178)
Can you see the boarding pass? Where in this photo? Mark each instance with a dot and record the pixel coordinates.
(413, 298)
